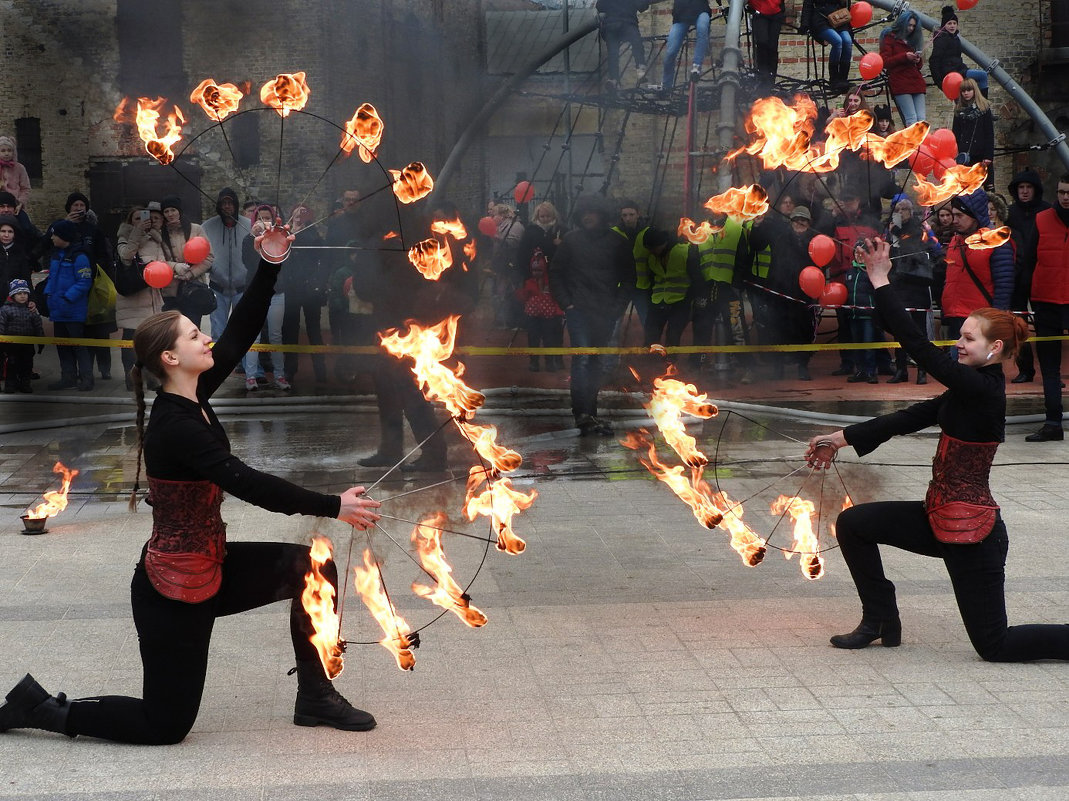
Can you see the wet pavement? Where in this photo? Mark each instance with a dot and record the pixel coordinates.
(629, 654)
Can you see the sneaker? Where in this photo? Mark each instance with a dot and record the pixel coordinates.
(602, 427)
(283, 384)
(251, 385)
(695, 72)
(655, 87)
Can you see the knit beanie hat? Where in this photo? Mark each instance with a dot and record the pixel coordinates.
(171, 202)
(883, 112)
(18, 285)
(65, 230)
(949, 14)
(73, 196)
(8, 199)
(975, 205)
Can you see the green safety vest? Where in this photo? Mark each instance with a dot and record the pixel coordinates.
(640, 253)
(670, 281)
(762, 260)
(718, 253)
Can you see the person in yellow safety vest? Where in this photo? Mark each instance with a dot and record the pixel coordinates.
(633, 228)
(673, 269)
(722, 258)
(756, 278)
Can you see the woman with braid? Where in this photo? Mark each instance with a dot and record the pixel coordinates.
(188, 575)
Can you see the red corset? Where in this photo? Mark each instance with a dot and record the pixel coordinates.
(185, 554)
(960, 472)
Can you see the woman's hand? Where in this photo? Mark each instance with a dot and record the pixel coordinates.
(822, 449)
(877, 259)
(258, 239)
(356, 509)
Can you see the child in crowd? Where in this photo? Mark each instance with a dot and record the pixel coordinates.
(17, 319)
(13, 175)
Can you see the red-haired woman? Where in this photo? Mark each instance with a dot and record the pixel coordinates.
(958, 521)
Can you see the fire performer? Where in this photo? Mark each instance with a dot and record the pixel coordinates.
(958, 521)
(188, 575)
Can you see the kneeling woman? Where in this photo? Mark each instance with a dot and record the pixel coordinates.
(188, 574)
(958, 521)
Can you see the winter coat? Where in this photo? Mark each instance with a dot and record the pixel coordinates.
(1050, 278)
(1022, 216)
(150, 247)
(14, 263)
(589, 268)
(536, 237)
(131, 310)
(903, 75)
(304, 274)
(789, 255)
(975, 132)
(18, 320)
(945, 57)
(70, 277)
(912, 253)
(621, 10)
(687, 11)
(229, 273)
(16, 180)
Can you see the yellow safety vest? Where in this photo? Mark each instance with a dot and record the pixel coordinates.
(762, 260)
(640, 253)
(670, 281)
(718, 253)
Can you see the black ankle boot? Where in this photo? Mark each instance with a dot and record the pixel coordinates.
(889, 632)
(318, 702)
(900, 377)
(922, 377)
(30, 706)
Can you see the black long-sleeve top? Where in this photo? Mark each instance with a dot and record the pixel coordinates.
(184, 440)
(973, 408)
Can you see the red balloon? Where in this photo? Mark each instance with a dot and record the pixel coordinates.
(870, 66)
(861, 14)
(922, 160)
(942, 143)
(834, 294)
(196, 250)
(965, 5)
(158, 274)
(524, 192)
(811, 281)
(952, 85)
(487, 226)
(939, 169)
(821, 249)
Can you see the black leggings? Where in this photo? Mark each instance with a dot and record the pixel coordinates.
(174, 639)
(978, 573)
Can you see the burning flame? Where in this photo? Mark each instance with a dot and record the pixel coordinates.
(428, 347)
(122, 112)
(390, 235)
(898, 146)
(364, 131)
(431, 257)
(805, 541)
(285, 93)
(427, 537)
(744, 541)
(500, 502)
(958, 180)
(147, 117)
(217, 100)
(484, 439)
(55, 501)
(693, 492)
(696, 233)
(318, 602)
(412, 183)
(847, 503)
(987, 238)
(671, 398)
(742, 204)
(454, 228)
(368, 582)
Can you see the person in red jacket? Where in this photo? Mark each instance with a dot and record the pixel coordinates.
(1050, 304)
(901, 46)
(974, 278)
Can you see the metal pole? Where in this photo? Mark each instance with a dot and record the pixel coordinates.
(731, 58)
(568, 107)
(688, 161)
(1055, 138)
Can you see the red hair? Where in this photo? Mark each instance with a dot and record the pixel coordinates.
(1004, 325)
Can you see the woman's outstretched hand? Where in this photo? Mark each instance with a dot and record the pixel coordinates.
(258, 238)
(356, 509)
(822, 449)
(877, 258)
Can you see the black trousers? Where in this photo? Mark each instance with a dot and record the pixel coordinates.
(765, 32)
(671, 316)
(398, 397)
(1052, 319)
(174, 639)
(291, 330)
(615, 33)
(977, 572)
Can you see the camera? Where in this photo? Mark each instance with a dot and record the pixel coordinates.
(143, 215)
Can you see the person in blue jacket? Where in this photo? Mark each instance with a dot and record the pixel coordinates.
(70, 277)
